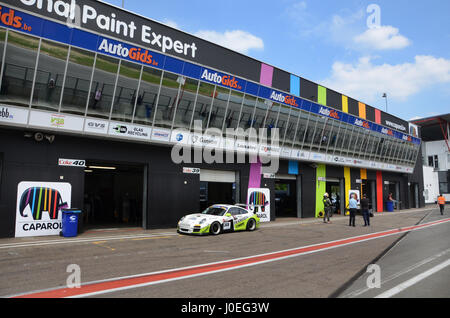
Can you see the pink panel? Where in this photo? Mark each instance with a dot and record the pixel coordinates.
(266, 75)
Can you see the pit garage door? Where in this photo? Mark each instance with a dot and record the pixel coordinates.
(218, 187)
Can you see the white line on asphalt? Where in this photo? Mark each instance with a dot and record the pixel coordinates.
(83, 240)
(361, 291)
(398, 289)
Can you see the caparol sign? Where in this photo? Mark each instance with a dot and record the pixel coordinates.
(39, 208)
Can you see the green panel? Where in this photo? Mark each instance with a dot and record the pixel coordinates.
(321, 188)
(322, 95)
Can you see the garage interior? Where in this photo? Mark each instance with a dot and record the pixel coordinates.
(113, 195)
(286, 197)
(218, 187)
(335, 190)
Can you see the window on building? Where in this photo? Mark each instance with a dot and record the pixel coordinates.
(436, 162)
(77, 82)
(102, 88)
(186, 103)
(204, 102)
(301, 130)
(18, 72)
(127, 95)
(2, 51)
(148, 90)
(50, 76)
(219, 108)
(271, 123)
(346, 136)
(248, 109)
(444, 182)
(234, 110)
(260, 114)
(292, 128)
(167, 100)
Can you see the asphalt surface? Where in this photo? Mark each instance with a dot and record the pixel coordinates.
(416, 254)
(34, 264)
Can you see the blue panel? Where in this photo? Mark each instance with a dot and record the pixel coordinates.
(306, 105)
(314, 108)
(295, 85)
(252, 88)
(56, 32)
(293, 167)
(192, 70)
(84, 40)
(264, 92)
(173, 65)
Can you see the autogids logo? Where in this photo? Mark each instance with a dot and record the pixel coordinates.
(9, 18)
(124, 51)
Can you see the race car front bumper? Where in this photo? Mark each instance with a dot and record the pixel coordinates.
(194, 230)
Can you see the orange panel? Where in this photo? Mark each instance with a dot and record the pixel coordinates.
(362, 110)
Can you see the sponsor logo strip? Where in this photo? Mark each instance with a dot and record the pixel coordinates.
(131, 282)
(31, 24)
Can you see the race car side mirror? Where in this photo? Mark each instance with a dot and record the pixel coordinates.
(228, 215)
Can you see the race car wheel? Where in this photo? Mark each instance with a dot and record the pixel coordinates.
(251, 225)
(215, 228)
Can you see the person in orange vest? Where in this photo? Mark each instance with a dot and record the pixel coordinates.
(441, 203)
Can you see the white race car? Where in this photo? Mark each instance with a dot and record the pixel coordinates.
(217, 219)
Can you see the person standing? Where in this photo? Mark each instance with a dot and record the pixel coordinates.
(441, 203)
(353, 206)
(365, 210)
(97, 98)
(327, 208)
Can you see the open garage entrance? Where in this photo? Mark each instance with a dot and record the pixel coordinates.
(286, 196)
(113, 195)
(368, 188)
(394, 188)
(218, 187)
(335, 189)
(413, 195)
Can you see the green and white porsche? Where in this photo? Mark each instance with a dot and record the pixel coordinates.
(218, 219)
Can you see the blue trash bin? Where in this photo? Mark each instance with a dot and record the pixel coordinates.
(390, 206)
(70, 222)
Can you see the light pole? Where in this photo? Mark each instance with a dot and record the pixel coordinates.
(386, 97)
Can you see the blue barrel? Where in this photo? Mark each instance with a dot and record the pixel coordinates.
(70, 222)
(390, 206)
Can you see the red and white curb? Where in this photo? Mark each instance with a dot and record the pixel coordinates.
(131, 282)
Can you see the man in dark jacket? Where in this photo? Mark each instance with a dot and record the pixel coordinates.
(365, 210)
(327, 208)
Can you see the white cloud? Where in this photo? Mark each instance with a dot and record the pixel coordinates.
(382, 38)
(172, 24)
(367, 81)
(237, 40)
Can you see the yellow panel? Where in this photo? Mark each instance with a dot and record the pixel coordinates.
(363, 174)
(348, 183)
(344, 104)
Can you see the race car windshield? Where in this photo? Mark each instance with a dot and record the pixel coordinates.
(214, 211)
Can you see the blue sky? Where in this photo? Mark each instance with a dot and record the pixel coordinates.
(339, 44)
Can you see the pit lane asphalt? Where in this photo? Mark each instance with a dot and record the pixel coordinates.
(418, 253)
(28, 265)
